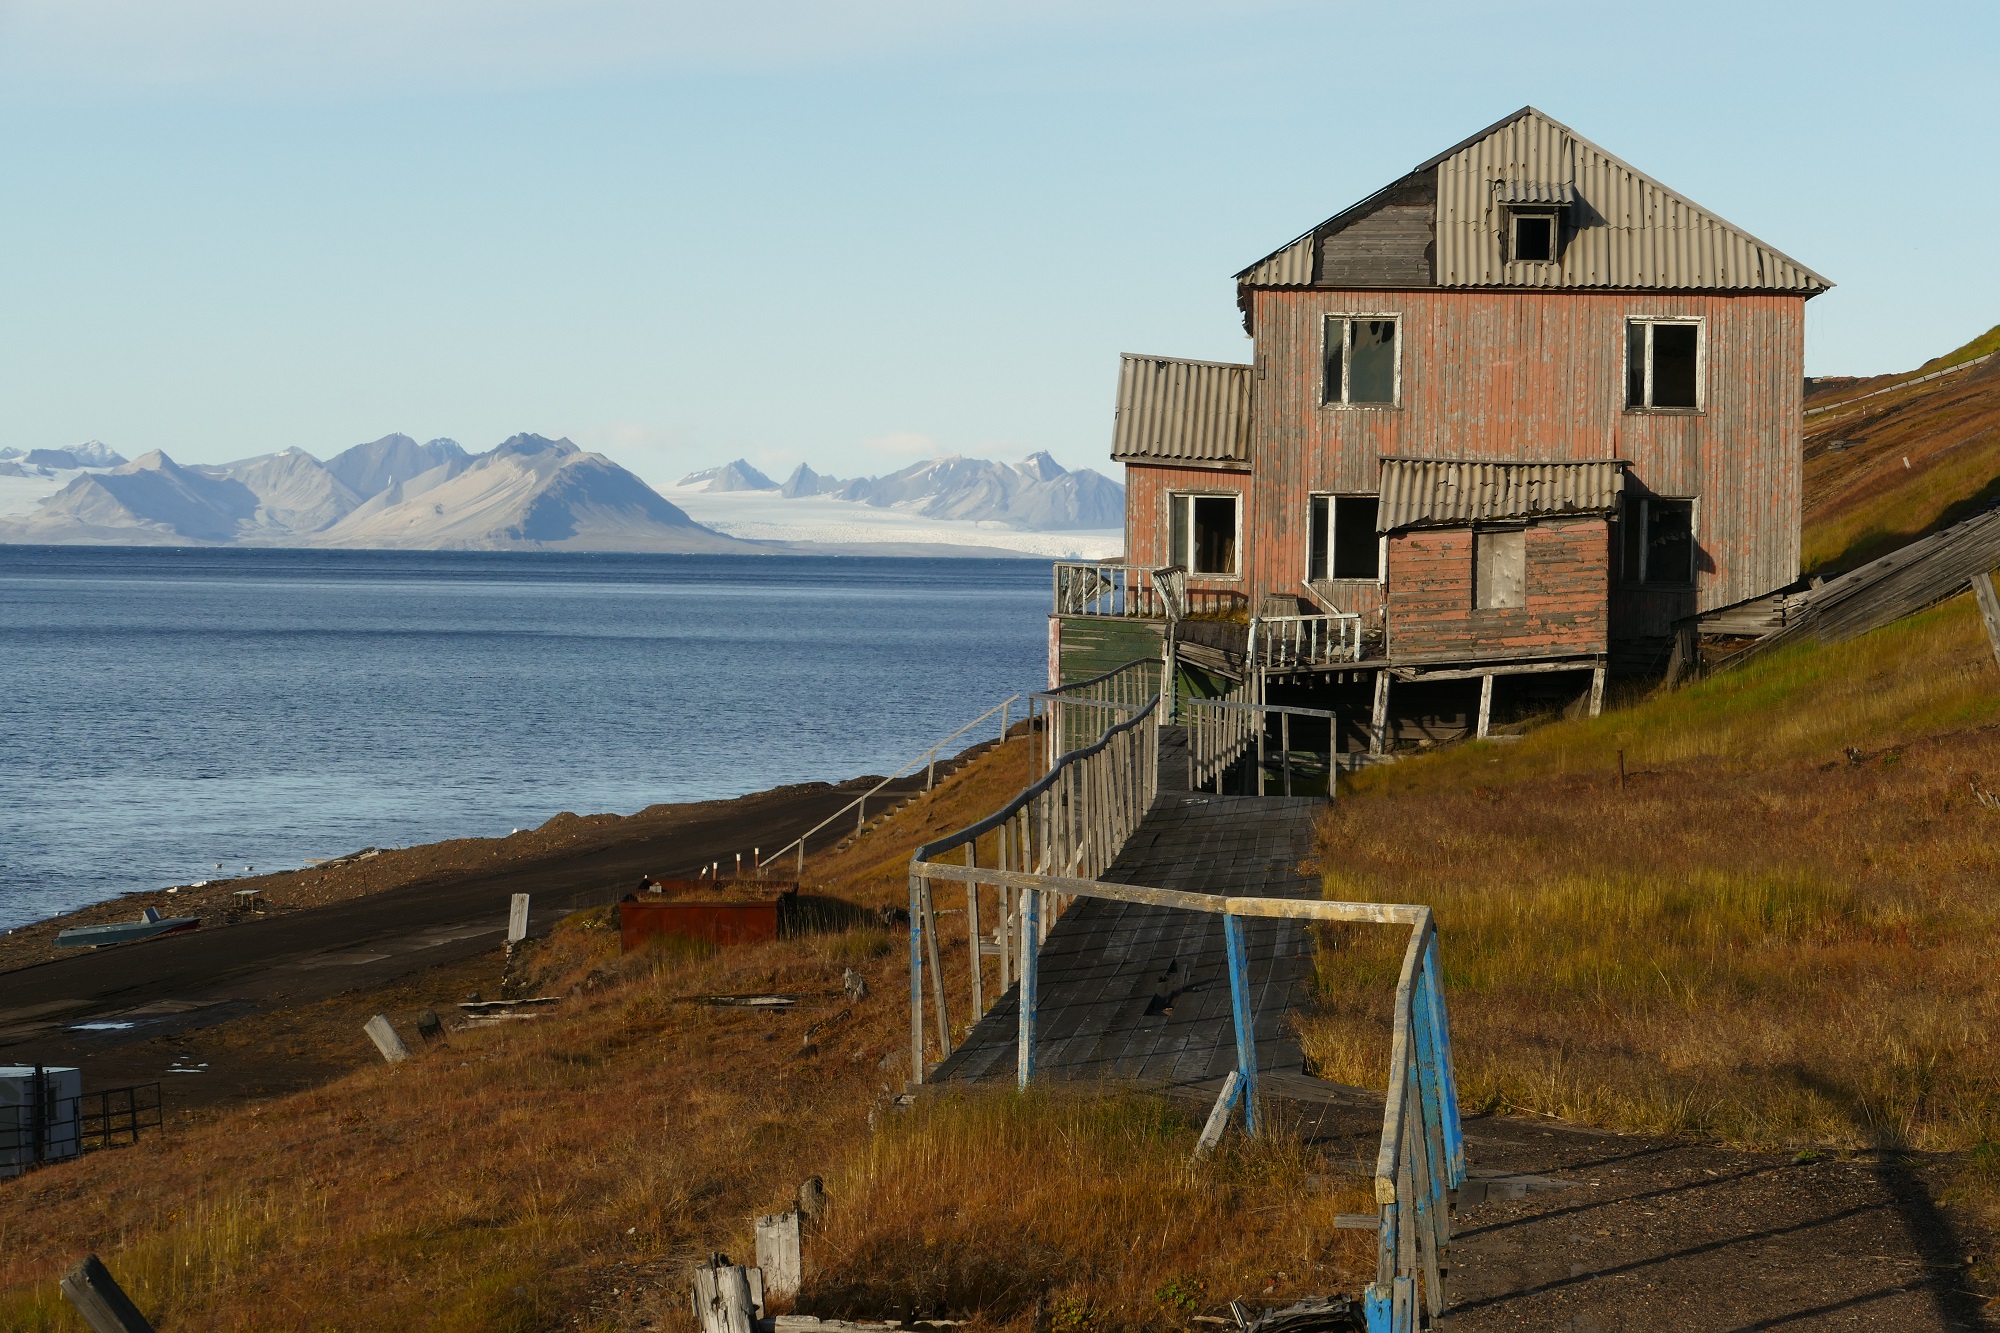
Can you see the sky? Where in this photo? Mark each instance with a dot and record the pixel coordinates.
(864, 233)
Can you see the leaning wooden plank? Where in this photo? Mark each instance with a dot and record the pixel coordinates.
(100, 1300)
(1989, 608)
(1218, 1117)
(383, 1034)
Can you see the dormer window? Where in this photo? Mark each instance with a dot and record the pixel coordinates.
(1534, 239)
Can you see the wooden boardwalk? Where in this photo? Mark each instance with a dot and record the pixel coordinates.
(1141, 994)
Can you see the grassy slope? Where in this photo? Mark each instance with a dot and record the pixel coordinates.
(565, 1172)
(1861, 499)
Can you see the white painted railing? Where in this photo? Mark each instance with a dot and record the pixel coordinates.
(1304, 641)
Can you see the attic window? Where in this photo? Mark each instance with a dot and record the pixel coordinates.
(1534, 238)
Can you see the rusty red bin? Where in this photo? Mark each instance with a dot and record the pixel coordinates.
(716, 911)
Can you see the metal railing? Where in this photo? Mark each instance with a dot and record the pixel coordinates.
(1221, 731)
(1080, 712)
(1293, 641)
(927, 760)
(1070, 824)
(115, 1117)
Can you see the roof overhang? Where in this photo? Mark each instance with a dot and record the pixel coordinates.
(1456, 493)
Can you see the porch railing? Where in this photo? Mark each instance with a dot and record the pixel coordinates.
(1095, 588)
(1304, 641)
(1221, 731)
(1217, 737)
(1082, 711)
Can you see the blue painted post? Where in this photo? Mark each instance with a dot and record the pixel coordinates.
(916, 981)
(1377, 1304)
(1031, 946)
(1436, 1157)
(1454, 1137)
(1246, 1018)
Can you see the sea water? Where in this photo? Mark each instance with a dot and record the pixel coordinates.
(174, 715)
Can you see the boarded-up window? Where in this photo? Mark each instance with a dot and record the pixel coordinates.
(1342, 541)
(1361, 362)
(1663, 365)
(1534, 237)
(1499, 568)
(1204, 533)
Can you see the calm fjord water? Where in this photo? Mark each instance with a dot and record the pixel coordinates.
(165, 710)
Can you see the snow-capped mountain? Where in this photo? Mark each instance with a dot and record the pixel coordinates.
(530, 492)
(737, 476)
(1037, 494)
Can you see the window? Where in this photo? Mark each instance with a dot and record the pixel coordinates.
(1361, 362)
(1499, 568)
(1658, 541)
(1204, 533)
(1663, 364)
(1342, 542)
(1534, 238)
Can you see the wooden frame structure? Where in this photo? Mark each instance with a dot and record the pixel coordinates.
(1055, 838)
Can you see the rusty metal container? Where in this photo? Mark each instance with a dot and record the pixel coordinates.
(720, 912)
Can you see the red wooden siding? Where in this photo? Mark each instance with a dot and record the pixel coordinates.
(1431, 612)
(1522, 376)
(1148, 529)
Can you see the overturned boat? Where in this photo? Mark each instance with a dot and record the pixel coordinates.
(149, 925)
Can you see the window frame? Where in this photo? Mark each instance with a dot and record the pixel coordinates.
(1636, 579)
(1332, 511)
(1349, 318)
(1554, 219)
(1651, 322)
(1186, 558)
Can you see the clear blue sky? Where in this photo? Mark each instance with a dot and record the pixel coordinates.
(855, 234)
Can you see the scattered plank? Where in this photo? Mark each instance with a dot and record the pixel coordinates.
(100, 1300)
(779, 1254)
(1218, 1118)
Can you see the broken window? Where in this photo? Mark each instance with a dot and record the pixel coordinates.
(1658, 540)
(1205, 533)
(1499, 568)
(1534, 239)
(1662, 364)
(1342, 541)
(1361, 361)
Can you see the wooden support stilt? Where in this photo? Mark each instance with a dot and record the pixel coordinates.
(1485, 705)
(1597, 690)
(1378, 730)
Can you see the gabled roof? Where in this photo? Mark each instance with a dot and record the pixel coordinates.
(1626, 229)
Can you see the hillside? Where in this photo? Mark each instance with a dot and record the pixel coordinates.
(1893, 457)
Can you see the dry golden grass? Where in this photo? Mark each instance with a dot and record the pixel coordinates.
(1779, 930)
(564, 1173)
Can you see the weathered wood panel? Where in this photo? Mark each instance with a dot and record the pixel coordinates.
(1390, 247)
(1148, 525)
(1518, 375)
(1566, 607)
(1093, 645)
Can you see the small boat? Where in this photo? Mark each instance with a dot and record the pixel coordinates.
(148, 926)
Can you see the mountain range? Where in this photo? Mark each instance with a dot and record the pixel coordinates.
(1037, 494)
(530, 492)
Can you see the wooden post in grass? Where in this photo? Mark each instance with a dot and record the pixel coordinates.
(517, 921)
(1024, 1040)
(1485, 705)
(1378, 730)
(383, 1034)
(1218, 1116)
(724, 1301)
(778, 1254)
(100, 1300)
(1989, 609)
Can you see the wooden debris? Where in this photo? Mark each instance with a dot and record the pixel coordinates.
(100, 1300)
(724, 1298)
(383, 1033)
(742, 1001)
(779, 1254)
(1218, 1118)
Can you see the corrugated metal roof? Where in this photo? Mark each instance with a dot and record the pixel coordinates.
(1423, 492)
(1629, 231)
(1193, 412)
(1557, 193)
(1289, 267)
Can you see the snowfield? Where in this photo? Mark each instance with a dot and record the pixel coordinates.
(768, 516)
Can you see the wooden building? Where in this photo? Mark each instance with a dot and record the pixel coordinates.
(1521, 410)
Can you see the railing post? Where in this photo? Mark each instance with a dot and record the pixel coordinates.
(972, 933)
(1024, 1041)
(916, 982)
(1246, 1020)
